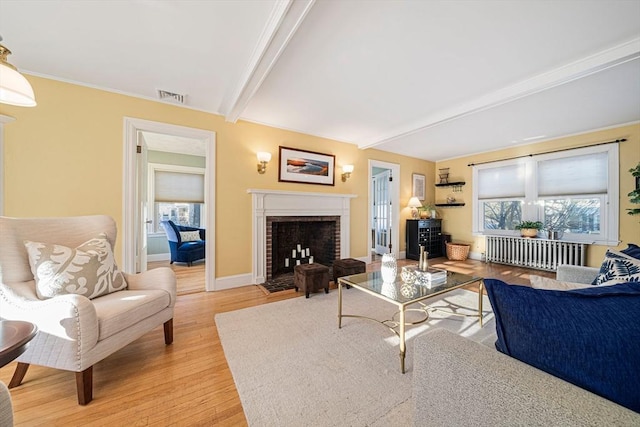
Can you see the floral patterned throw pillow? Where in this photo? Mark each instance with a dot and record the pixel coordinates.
(618, 267)
(89, 270)
(190, 236)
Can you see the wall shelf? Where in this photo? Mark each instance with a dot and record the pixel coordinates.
(452, 184)
(457, 185)
(444, 205)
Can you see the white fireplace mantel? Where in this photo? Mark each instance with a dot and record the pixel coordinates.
(266, 203)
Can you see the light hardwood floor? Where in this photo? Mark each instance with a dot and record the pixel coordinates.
(190, 279)
(185, 384)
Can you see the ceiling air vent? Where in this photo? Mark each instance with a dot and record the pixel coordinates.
(165, 95)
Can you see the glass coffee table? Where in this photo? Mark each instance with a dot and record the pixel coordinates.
(403, 296)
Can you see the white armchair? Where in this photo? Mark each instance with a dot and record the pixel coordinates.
(75, 332)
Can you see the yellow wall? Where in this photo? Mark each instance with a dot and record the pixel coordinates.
(65, 157)
(458, 221)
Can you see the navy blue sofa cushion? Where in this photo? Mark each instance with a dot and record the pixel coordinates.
(588, 337)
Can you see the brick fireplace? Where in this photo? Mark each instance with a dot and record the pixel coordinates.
(308, 207)
(293, 240)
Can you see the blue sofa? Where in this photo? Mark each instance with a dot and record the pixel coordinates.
(182, 251)
(589, 337)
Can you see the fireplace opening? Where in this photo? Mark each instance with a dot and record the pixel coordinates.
(299, 240)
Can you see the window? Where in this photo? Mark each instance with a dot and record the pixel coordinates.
(574, 192)
(573, 215)
(181, 213)
(502, 191)
(501, 214)
(177, 194)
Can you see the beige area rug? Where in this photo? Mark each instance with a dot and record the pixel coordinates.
(293, 367)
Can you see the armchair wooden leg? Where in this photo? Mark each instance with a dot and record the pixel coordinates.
(168, 331)
(18, 374)
(84, 384)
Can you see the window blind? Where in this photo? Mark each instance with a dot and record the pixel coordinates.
(586, 174)
(178, 187)
(501, 182)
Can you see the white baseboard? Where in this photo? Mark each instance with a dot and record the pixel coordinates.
(479, 256)
(231, 282)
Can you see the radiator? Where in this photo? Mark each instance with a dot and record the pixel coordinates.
(541, 254)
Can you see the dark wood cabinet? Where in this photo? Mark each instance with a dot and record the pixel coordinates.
(424, 232)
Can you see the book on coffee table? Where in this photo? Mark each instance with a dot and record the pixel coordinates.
(412, 274)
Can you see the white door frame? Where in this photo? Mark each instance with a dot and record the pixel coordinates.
(395, 204)
(131, 128)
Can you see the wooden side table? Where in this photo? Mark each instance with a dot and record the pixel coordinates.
(14, 339)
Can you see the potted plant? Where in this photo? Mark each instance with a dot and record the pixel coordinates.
(529, 228)
(428, 210)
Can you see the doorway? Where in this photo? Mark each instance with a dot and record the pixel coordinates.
(384, 212)
(141, 133)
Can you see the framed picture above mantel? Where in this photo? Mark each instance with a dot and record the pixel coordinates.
(306, 167)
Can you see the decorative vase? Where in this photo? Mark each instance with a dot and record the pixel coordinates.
(389, 289)
(389, 268)
(423, 264)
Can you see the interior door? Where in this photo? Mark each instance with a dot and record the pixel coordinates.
(142, 212)
(382, 212)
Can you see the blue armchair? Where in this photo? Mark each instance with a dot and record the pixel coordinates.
(184, 251)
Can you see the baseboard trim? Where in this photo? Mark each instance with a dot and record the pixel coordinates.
(231, 282)
(478, 256)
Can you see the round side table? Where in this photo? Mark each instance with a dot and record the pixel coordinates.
(14, 339)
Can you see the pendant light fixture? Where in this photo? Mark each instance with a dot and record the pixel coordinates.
(14, 87)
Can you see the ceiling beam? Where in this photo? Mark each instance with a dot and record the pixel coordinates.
(583, 67)
(285, 19)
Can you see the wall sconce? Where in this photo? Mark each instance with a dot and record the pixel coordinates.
(14, 88)
(347, 169)
(263, 159)
(414, 204)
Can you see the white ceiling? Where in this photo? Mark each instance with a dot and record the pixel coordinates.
(426, 79)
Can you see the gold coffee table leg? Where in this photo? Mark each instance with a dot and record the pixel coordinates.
(402, 343)
(339, 304)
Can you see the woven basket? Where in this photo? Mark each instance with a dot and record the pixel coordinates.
(457, 251)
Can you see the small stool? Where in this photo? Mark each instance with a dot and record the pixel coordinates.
(347, 267)
(311, 278)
